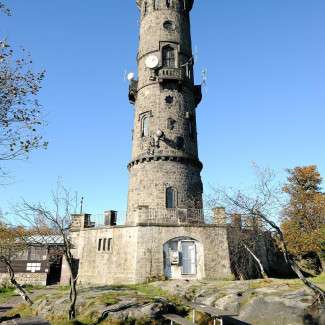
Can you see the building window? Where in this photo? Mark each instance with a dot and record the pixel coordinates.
(109, 244)
(145, 8)
(168, 57)
(170, 198)
(168, 3)
(181, 4)
(169, 100)
(156, 4)
(179, 143)
(33, 267)
(169, 25)
(191, 128)
(145, 126)
(104, 244)
(170, 123)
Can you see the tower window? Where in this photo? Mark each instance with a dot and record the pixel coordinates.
(145, 126)
(191, 128)
(169, 25)
(156, 4)
(145, 7)
(168, 57)
(170, 123)
(168, 3)
(169, 100)
(170, 198)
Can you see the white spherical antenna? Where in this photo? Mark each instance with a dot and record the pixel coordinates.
(130, 76)
(152, 61)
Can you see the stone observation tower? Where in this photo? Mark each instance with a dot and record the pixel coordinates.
(165, 184)
(165, 236)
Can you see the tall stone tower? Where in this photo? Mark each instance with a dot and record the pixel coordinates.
(165, 169)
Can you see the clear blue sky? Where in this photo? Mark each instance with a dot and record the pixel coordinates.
(265, 97)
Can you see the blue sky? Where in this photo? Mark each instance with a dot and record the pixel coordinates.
(264, 100)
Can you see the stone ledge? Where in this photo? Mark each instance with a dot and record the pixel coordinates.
(183, 160)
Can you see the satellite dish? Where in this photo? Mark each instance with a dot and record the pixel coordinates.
(130, 76)
(152, 61)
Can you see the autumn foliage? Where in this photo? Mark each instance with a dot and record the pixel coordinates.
(304, 216)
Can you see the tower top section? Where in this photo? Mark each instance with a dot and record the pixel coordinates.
(186, 4)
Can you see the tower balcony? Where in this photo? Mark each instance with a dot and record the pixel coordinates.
(177, 74)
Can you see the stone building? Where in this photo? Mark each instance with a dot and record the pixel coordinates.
(165, 235)
(39, 264)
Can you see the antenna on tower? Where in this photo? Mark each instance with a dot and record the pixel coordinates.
(81, 204)
(204, 76)
(125, 75)
(195, 55)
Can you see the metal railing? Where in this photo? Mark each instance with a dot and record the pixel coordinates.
(172, 73)
(170, 216)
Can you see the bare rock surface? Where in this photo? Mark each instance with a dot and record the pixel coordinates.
(259, 302)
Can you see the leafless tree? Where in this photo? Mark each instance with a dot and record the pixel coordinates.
(12, 244)
(245, 243)
(45, 221)
(264, 202)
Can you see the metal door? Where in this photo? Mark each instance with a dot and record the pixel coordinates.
(188, 257)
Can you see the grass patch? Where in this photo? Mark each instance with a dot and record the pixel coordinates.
(148, 290)
(108, 299)
(23, 310)
(63, 288)
(6, 293)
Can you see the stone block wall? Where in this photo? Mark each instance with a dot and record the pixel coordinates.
(150, 250)
(25, 278)
(136, 253)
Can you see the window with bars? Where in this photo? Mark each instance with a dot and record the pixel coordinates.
(104, 244)
(168, 57)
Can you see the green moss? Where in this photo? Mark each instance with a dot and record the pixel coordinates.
(23, 310)
(108, 299)
(6, 292)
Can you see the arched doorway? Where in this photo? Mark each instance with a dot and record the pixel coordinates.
(183, 258)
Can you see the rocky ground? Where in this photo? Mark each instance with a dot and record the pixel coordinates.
(257, 302)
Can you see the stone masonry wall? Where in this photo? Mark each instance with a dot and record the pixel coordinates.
(137, 252)
(150, 252)
(25, 278)
(169, 106)
(116, 266)
(149, 182)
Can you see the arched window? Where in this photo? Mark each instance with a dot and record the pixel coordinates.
(170, 198)
(168, 57)
(156, 4)
(168, 3)
(145, 126)
(145, 8)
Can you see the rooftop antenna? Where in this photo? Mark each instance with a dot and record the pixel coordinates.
(204, 76)
(195, 55)
(81, 204)
(76, 203)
